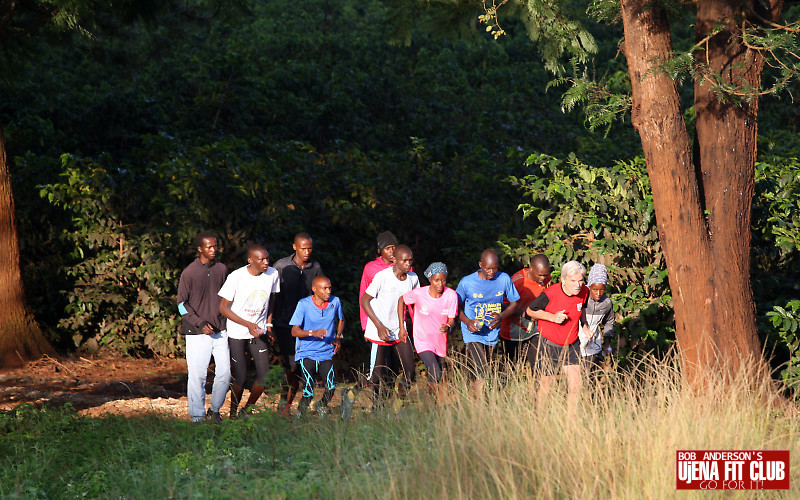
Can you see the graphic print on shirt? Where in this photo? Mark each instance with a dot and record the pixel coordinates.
(255, 303)
(485, 312)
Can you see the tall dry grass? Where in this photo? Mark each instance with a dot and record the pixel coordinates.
(620, 443)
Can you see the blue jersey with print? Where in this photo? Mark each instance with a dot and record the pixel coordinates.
(479, 298)
(310, 317)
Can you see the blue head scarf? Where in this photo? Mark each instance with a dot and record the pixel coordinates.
(435, 268)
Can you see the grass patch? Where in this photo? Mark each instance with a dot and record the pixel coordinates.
(621, 443)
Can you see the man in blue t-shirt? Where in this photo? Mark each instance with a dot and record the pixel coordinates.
(313, 324)
(480, 297)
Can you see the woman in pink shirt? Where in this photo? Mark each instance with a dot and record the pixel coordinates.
(435, 310)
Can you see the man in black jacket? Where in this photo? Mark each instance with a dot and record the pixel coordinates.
(204, 328)
(297, 273)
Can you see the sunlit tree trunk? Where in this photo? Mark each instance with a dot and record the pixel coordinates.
(702, 203)
(20, 336)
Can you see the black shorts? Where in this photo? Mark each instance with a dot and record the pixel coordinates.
(286, 343)
(480, 357)
(552, 356)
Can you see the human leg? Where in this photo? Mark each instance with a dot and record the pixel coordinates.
(222, 369)
(259, 350)
(325, 371)
(479, 355)
(238, 371)
(572, 370)
(405, 352)
(286, 344)
(511, 348)
(479, 364)
(550, 359)
(198, 355)
(574, 386)
(376, 379)
(308, 372)
(433, 364)
(532, 355)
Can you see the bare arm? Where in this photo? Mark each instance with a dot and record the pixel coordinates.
(537, 311)
(401, 309)
(559, 317)
(299, 332)
(225, 310)
(337, 343)
(269, 319)
(472, 324)
(383, 332)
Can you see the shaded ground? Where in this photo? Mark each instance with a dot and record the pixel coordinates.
(98, 385)
(108, 384)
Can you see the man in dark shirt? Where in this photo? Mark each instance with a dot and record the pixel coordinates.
(203, 326)
(297, 273)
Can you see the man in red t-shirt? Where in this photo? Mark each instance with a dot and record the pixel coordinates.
(558, 311)
(517, 331)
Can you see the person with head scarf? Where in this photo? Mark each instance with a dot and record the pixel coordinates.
(435, 310)
(597, 319)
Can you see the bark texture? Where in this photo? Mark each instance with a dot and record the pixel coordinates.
(21, 338)
(702, 200)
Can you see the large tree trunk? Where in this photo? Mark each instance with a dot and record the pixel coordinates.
(20, 336)
(726, 155)
(708, 258)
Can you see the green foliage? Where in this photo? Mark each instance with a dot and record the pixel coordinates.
(128, 225)
(776, 212)
(783, 324)
(56, 453)
(337, 133)
(602, 215)
(605, 215)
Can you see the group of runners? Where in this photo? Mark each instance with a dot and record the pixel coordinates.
(564, 327)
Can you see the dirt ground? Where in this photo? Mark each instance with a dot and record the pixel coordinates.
(99, 385)
(110, 384)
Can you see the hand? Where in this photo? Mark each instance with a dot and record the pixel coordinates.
(584, 333)
(254, 330)
(337, 344)
(445, 328)
(320, 333)
(492, 319)
(208, 329)
(560, 317)
(270, 336)
(474, 325)
(402, 334)
(384, 334)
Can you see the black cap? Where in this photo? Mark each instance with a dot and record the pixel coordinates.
(386, 239)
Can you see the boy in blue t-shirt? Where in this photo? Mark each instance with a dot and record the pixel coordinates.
(313, 324)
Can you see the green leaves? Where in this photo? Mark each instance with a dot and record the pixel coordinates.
(785, 323)
(601, 215)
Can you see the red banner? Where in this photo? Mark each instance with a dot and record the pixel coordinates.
(732, 470)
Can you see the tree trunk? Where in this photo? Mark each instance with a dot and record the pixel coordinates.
(714, 313)
(726, 154)
(20, 336)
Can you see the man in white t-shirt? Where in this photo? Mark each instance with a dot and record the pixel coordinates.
(246, 303)
(383, 328)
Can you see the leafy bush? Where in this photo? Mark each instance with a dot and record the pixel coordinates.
(784, 326)
(128, 225)
(600, 215)
(776, 213)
